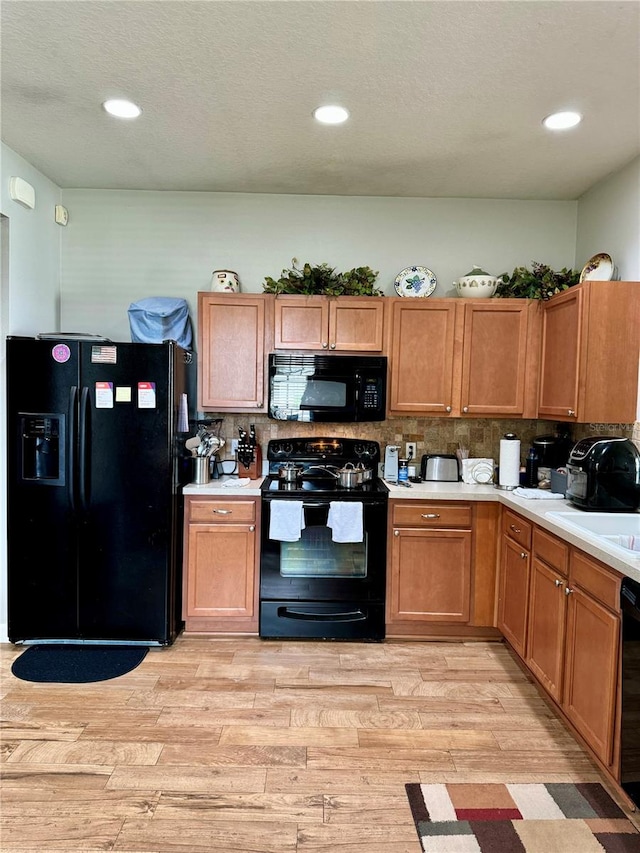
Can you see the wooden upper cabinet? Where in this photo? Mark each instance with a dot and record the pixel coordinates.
(589, 353)
(562, 321)
(457, 357)
(421, 351)
(499, 359)
(334, 324)
(234, 334)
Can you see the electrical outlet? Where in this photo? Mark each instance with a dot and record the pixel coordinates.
(234, 445)
(411, 448)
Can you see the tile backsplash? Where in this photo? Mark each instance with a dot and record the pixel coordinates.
(481, 436)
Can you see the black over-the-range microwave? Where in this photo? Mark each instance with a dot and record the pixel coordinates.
(331, 388)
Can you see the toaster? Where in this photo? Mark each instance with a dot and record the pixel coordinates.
(603, 473)
(442, 467)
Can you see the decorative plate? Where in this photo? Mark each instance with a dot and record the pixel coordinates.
(598, 268)
(415, 281)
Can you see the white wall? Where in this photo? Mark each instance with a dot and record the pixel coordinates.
(121, 246)
(29, 302)
(609, 221)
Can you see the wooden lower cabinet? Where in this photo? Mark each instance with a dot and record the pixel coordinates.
(548, 611)
(591, 660)
(569, 614)
(221, 565)
(430, 575)
(440, 574)
(513, 589)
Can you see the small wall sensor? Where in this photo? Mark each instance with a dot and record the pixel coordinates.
(22, 192)
(62, 214)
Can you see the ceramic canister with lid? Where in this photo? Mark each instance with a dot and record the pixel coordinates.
(509, 465)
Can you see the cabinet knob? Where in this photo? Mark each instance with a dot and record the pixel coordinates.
(324, 345)
(523, 555)
(430, 515)
(222, 511)
(396, 533)
(514, 528)
(252, 527)
(448, 409)
(333, 346)
(571, 413)
(558, 582)
(465, 408)
(568, 590)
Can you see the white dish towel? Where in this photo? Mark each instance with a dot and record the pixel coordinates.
(537, 494)
(345, 521)
(287, 520)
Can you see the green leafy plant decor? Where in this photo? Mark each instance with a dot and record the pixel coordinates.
(541, 282)
(322, 279)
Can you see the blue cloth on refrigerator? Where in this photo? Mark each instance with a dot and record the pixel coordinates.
(160, 318)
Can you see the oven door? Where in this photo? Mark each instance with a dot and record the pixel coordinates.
(317, 569)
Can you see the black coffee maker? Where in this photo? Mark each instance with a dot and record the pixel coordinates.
(553, 450)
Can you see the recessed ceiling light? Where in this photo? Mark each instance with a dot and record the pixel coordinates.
(562, 121)
(331, 114)
(121, 108)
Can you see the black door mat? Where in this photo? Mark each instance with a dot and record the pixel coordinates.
(69, 664)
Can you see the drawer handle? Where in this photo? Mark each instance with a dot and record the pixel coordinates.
(465, 409)
(324, 344)
(514, 528)
(333, 346)
(396, 533)
(448, 409)
(571, 412)
(557, 582)
(252, 527)
(568, 591)
(523, 555)
(430, 515)
(222, 511)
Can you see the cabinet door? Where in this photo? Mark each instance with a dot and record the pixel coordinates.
(494, 361)
(430, 575)
(301, 322)
(562, 319)
(546, 631)
(356, 324)
(220, 570)
(592, 671)
(422, 356)
(231, 352)
(513, 602)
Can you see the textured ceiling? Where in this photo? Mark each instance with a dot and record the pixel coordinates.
(446, 97)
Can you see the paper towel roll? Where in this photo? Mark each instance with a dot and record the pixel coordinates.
(509, 475)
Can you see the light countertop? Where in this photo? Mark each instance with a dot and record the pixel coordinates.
(533, 510)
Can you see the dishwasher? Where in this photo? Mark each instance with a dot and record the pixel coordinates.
(630, 715)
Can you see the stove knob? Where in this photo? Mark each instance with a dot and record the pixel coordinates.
(359, 449)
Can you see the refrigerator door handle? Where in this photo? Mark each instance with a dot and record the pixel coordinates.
(83, 448)
(71, 450)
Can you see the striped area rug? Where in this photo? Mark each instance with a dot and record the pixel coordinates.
(494, 818)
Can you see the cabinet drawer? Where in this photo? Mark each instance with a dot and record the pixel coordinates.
(551, 550)
(414, 514)
(595, 579)
(238, 512)
(517, 528)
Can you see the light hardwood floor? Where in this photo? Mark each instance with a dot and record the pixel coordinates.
(249, 746)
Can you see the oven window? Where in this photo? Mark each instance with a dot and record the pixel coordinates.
(316, 555)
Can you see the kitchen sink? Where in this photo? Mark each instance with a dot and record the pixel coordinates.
(608, 527)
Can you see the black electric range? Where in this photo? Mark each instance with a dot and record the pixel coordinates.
(315, 587)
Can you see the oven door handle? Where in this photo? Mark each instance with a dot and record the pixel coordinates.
(351, 616)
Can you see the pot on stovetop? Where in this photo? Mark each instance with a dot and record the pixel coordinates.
(290, 472)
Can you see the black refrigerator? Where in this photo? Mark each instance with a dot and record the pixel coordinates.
(95, 468)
